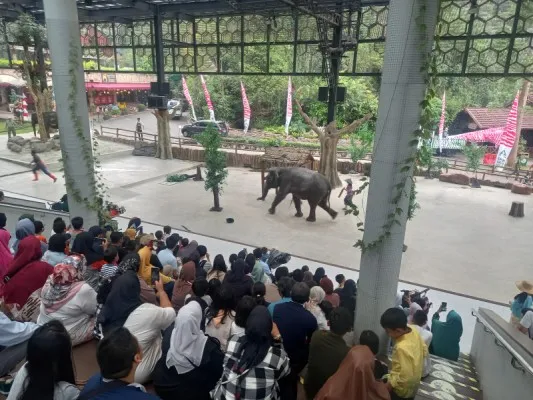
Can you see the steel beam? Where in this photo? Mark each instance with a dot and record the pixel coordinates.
(333, 19)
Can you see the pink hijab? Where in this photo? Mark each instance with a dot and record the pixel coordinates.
(5, 254)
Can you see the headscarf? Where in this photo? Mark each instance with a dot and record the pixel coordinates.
(237, 272)
(327, 285)
(187, 342)
(258, 273)
(60, 287)
(24, 227)
(319, 274)
(413, 308)
(446, 336)
(399, 300)
(188, 251)
(348, 294)
(309, 279)
(5, 254)
(29, 250)
(83, 244)
(58, 242)
(130, 262)
(355, 379)
(134, 223)
(124, 297)
(317, 295)
(183, 286)
(257, 340)
(95, 231)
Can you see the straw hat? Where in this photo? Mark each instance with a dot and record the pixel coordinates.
(525, 286)
(146, 239)
(348, 181)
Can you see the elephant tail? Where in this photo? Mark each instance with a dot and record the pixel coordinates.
(328, 194)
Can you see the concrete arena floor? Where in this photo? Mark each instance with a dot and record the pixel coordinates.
(462, 240)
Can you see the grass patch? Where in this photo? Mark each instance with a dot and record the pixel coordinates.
(24, 128)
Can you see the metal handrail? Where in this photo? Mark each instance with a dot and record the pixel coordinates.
(523, 365)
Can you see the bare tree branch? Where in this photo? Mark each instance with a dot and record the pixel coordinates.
(308, 120)
(354, 125)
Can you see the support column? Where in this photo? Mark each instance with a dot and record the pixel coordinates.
(402, 90)
(64, 38)
(335, 61)
(159, 56)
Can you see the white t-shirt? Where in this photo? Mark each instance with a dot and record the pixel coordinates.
(527, 322)
(77, 314)
(426, 336)
(63, 390)
(146, 323)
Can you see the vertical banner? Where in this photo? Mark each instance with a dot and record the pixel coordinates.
(208, 99)
(442, 119)
(509, 135)
(188, 96)
(246, 108)
(25, 114)
(289, 107)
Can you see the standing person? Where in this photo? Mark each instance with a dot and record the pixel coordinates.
(10, 128)
(446, 335)
(326, 351)
(354, 379)
(139, 128)
(420, 321)
(34, 123)
(349, 194)
(191, 363)
(296, 326)
(38, 164)
(521, 301)
(5, 254)
(407, 355)
(348, 295)
(48, 373)
(118, 355)
(327, 285)
(254, 362)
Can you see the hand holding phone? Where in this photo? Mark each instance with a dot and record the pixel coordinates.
(443, 306)
(155, 275)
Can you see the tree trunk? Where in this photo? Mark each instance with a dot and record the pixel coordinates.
(522, 102)
(36, 94)
(164, 147)
(216, 200)
(328, 158)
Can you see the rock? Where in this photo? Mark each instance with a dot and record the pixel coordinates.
(40, 147)
(144, 149)
(56, 145)
(519, 188)
(14, 147)
(56, 136)
(458, 179)
(19, 140)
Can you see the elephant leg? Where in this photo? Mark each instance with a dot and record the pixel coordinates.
(298, 205)
(324, 205)
(312, 215)
(278, 199)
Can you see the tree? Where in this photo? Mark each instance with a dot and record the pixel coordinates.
(329, 136)
(473, 154)
(164, 146)
(215, 162)
(27, 33)
(361, 143)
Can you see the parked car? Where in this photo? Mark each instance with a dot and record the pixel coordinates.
(198, 127)
(175, 108)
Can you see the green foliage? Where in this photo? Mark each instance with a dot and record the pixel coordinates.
(361, 142)
(215, 160)
(177, 178)
(141, 107)
(124, 111)
(413, 204)
(115, 111)
(473, 153)
(107, 116)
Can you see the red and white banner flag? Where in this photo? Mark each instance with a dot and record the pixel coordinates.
(208, 99)
(509, 135)
(188, 96)
(246, 108)
(442, 119)
(289, 107)
(25, 114)
(492, 135)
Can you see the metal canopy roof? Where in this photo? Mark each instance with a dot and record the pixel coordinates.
(109, 10)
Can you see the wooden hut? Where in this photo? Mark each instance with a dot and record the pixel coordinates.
(285, 157)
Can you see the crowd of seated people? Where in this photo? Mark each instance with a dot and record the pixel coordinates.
(167, 315)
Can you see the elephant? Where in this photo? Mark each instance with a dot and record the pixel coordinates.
(304, 184)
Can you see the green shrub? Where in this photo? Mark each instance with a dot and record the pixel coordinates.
(107, 116)
(141, 107)
(115, 111)
(124, 111)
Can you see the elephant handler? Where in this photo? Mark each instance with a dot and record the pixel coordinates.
(349, 194)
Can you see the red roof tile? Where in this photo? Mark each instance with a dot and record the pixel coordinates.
(493, 117)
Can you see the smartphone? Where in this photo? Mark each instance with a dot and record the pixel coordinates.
(443, 306)
(155, 274)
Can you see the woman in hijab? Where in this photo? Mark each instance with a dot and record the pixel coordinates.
(5, 254)
(56, 249)
(446, 335)
(255, 360)
(348, 295)
(355, 379)
(25, 274)
(25, 227)
(134, 226)
(84, 244)
(238, 281)
(123, 298)
(327, 285)
(319, 274)
(183, 286)
(316, 297)
(66, 298)
(191, 364)
(308, 279)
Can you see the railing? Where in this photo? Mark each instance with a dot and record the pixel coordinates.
(485, 170)
(517, 361)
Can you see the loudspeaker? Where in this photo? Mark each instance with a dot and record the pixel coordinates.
(159, 102)
(162, 89)
(341, 94)
(323, 94)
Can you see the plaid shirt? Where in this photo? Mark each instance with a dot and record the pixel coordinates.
(258, 383)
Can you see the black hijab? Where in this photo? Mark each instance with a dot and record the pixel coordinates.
(238, 281)
(348, 294)
(95, 231)
(319, 274)
(237, 271)
(124, 297)
(84, 244)
(257, 340)
(58, 242)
